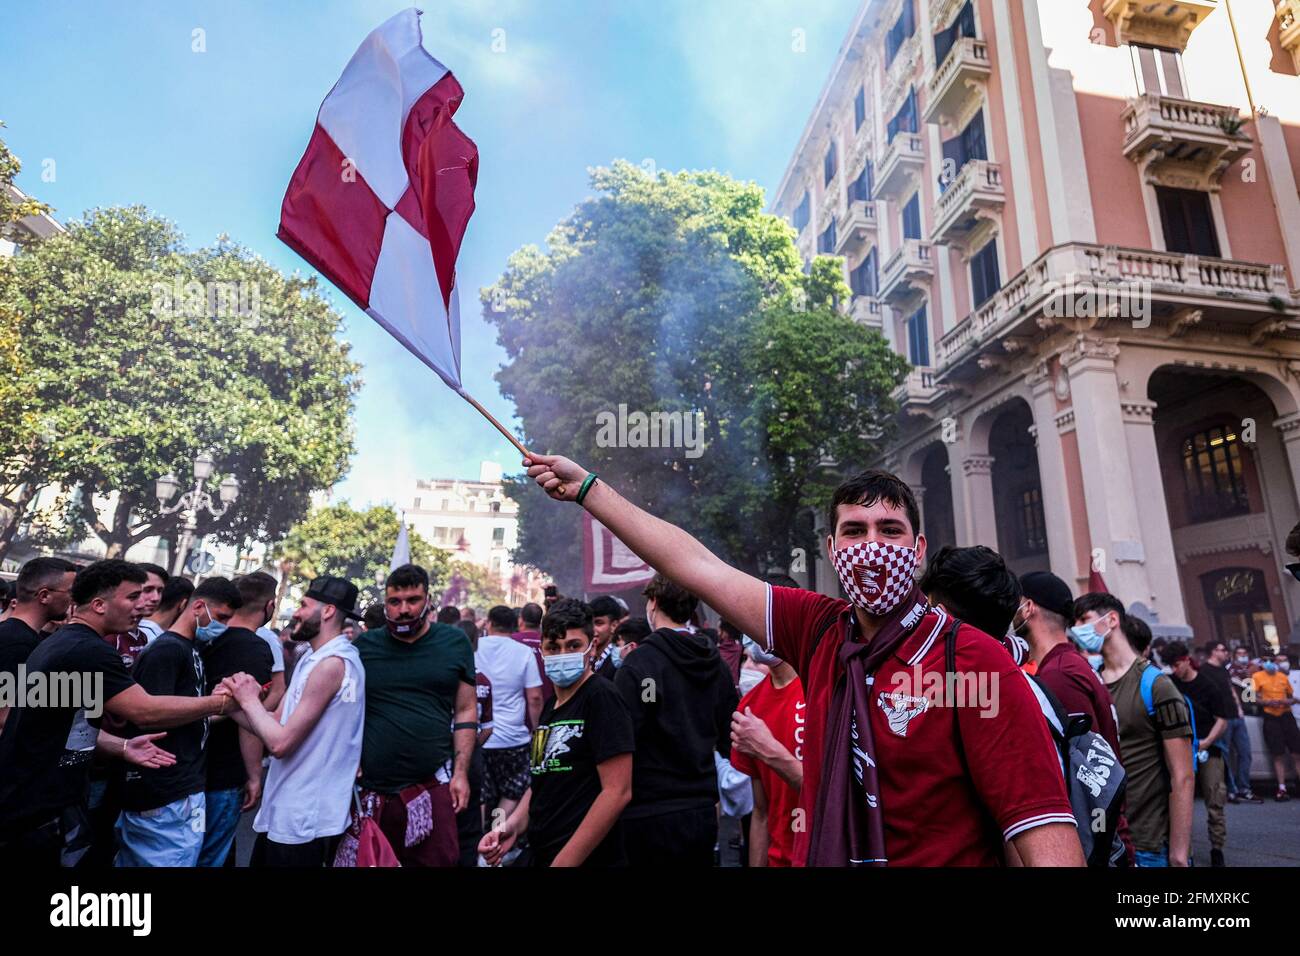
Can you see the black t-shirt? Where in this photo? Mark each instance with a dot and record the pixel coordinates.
(1209, 700)
(1219, 676)
(568, 745)
(169, 667)
(237, 649)
(45, 751)
(17, 641)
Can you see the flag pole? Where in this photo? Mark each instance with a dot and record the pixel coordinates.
(501, 428)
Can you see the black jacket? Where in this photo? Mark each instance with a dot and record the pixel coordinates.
(681, 698)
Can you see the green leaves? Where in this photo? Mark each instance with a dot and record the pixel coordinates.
(358, 545)
(139, 353)
(676, 293)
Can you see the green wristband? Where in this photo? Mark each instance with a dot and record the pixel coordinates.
(586, 486)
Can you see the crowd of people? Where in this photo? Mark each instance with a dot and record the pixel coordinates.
(944, 712)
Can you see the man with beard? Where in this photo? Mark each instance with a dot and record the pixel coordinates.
(314, 736)
(420, 727)
(891, 775)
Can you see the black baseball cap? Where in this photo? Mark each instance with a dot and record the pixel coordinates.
(1049, 592)
(340, 592)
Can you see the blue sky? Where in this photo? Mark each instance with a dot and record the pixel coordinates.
(115, 96)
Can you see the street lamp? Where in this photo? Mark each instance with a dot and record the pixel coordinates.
(190, 503)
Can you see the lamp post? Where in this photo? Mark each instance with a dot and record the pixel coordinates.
(193, 500)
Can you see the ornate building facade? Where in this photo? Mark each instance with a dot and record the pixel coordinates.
(1079, 221)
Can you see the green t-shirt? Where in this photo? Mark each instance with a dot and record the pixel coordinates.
(410, 704)
(1141, 743)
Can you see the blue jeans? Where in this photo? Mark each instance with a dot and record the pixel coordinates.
(171, 835)
(1151, 858)
(1238, 738)
(223, 820)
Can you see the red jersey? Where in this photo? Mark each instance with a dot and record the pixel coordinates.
(784, 712)
(944, 804)
(129, 645)
(483, 692)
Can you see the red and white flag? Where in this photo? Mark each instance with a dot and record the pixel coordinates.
(608, 564)
(381, 198)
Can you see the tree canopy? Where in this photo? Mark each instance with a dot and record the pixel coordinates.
(677, 293)
(139, 353)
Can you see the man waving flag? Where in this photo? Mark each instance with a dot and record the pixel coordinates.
(381, 198)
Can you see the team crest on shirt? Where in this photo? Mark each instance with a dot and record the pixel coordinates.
(901, 709)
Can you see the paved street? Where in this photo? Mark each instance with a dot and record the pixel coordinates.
(1263, 834)
(1266, 834)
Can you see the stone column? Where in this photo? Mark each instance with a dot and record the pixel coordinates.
(1110, 493)
(1061, 554)
(977, 523)
(1153, 513)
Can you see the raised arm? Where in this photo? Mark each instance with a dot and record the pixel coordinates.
(322, 684)
(738, 597)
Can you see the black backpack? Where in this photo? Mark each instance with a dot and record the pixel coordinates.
(1094, 777)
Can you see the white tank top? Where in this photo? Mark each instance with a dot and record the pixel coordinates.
(309, 793)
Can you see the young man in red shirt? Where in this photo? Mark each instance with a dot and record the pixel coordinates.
(886, 779)
(767, 734)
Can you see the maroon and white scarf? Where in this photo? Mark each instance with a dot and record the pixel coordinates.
(849, 821)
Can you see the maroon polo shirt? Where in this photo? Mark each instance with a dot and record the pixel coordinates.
(533, 641)
(942, 807)
(1068, 675)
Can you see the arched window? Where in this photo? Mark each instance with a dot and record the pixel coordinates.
(1212, 474)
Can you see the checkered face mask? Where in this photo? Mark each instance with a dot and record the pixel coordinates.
(875, 576)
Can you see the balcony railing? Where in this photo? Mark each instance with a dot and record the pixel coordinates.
(865, 310)
(957, 87)
(975, 191)
(1198, 136)
(1238, 294)
(1167, 24)
(856, 227)
(907, 272)
(902, 162)
(918, 390)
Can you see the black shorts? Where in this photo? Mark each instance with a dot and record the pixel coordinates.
(1281, 735)
(506, 774)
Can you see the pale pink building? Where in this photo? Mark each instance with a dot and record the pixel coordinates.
(1079, 221)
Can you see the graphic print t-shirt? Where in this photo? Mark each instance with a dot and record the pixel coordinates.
(569, 744)
(46, 750)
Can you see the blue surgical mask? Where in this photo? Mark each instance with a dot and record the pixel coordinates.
(1086, 636)
(564, 670)
(757, 654)
(1097, 661)
(616, 655)
(207, 633)
(1270, 667)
